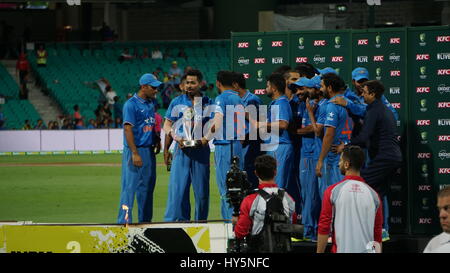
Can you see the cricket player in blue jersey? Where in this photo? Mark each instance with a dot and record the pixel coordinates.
(278, 142)
(338, 129)
(138, 160)
(185, 118)
(251, 147)
(229, 129)
(309, 188)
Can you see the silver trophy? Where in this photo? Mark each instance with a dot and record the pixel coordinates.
(188, 126)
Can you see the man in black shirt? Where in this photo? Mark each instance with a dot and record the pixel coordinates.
(379, 136)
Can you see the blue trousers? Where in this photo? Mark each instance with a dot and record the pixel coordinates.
(310, 197)
(222, 158)
(139, 181)
(250, 152)
(330, 176)
(284, 155)
(189, 166)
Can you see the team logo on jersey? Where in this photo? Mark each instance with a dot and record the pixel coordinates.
(422, 38)
(423, 105)
(337, 42)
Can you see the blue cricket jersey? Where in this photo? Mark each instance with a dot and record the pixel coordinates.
(321, 115)
(284, 113)
(140, 114)
(250, 99)
(308, 140)
(338, 118)
(228, 98)
(177, 107)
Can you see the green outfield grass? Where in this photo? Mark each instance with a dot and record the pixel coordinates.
(76, 194)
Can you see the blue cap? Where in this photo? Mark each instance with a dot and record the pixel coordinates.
(327, 70)
(303, 81)
(360, 73)
(315, 82)
(149, 79)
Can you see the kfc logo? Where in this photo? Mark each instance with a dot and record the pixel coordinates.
(396, 105)
(246, 75)
(424, 156)
(444, 170)
(422, 57)
(395, 73)
(442, 72)
(444, 138)
(260, 91)
(445, 104)
(424, 188)
(243, 45)
(337, 59)
(379, 58)
(443, 39)
(423, 122)
(394, 41)
(301, 59)
(363, 42)
(260, 60)
(320, 43)
(277, 43)
(422, 89)
(425, 221)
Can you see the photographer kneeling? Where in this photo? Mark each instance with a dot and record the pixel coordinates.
(266, 217)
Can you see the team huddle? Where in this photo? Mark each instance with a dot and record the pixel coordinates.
(312, 116)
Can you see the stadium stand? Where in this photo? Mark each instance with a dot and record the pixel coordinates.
(16, 111)
(73, 68)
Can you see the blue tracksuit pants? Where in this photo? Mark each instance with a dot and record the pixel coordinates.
(139, 181)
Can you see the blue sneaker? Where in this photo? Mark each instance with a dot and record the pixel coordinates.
(385, 235)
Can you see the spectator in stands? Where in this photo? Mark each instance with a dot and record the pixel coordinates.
(92, 124)
(182, 54)
(67, 125)
(79, 124)
(40, 125)
(118, 122)
(106, 123)
(175, 72)
(22, 67)
(145, 54)
(117, 108)
(157, 54)
(125, 55)
(110, 95)
(41, 56)
(23, 91)
(27, 125)
(56, 126)
(50, 125)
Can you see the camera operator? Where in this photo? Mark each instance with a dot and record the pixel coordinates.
(251, 220)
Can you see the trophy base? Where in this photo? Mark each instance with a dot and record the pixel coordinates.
(189, 143)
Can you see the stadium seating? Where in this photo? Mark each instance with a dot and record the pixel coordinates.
(15, 111)
(72, 68)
